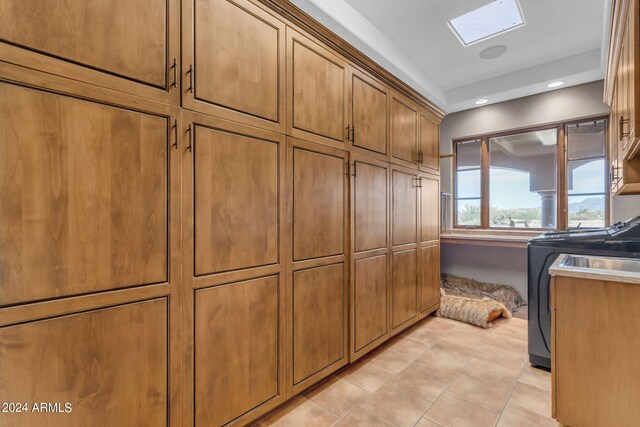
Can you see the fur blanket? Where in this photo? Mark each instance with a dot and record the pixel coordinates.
(476, 302)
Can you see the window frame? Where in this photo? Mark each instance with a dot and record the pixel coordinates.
(562, 219)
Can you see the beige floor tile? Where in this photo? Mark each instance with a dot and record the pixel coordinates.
(511, 331)
(489, 396)
(425, 335)
(441, 366)
(532, 398)
(366, 375)
(408, 346)
(449, 411)
(360, 417)
(391, 360)
(535, 377)
(500, 356)
(337, 395)
(396, 405)
(494, 373)
(508, 343)
(423, 422)
(301, 412)
(423, 383)
(456, 351)
(462, 338)
(515, 416)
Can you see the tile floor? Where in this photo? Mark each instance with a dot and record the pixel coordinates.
(438, 373)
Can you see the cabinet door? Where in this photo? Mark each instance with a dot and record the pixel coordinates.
(237, 353)
(317, 92)
(369, 301)
(110, 365)
(429, 277)
(236, 199)
(429, 143)
(429, 208)
(125, 45)
(369, 106)
(318, 204)
(404, 186)
(86, 198)
(236, 54)
(404, 131)
(404, 287)
(319, 323)
(369, 205)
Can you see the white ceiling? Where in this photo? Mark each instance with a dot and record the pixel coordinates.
(562, 40)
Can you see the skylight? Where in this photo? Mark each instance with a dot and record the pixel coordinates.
(487, 21)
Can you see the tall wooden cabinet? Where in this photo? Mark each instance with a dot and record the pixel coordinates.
(207, 207)
(621, 93)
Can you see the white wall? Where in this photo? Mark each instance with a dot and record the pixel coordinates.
(509, 265)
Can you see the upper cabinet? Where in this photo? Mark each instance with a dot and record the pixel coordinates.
(622, 81)
(428, 142)
(233, 62)
(129, 46)
(368, 111)
(317, 108)
(404, 131)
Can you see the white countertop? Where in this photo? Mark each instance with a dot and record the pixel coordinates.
(559, 269)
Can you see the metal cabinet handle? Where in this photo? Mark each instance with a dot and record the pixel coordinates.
(174, 66)
(175, 134)
(190, 72)
(189, 131)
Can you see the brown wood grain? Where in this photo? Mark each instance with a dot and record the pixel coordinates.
(404, 207)
(596, 349)
(429, 276)
(237, 349)
(429, 208)
(370, 301)
(404, 130)
(318, 95)
(236, 53)
(318, 320)
(236, 200)
(369, 107)
(429, 142)
(85, 196)
(370, 206)
(109, 364)
(318, 204)
(128, 38)
(404, 295)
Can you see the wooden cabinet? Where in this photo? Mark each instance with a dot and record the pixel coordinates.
(621, 83)
(404, 288)
(238, 353)
(318, 283)
(234, 56)
(86, 195)
(404, 131)
(369, 105)
(429, 277)
(109, 366)
(233, 272)
(235, 199)
(404, 239)
(594, 351)
(225, 191)
(404, 195)
(428, 142)
(369, 231)
(317, 81)
(129, 46)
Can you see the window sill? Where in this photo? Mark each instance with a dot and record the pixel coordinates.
(483, 237)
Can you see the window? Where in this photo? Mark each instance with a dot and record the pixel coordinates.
(515, 180)
(487, 21)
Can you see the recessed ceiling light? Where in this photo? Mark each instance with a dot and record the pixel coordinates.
(555, 84)
(482, 101)
(487, 21)
(493, 52)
